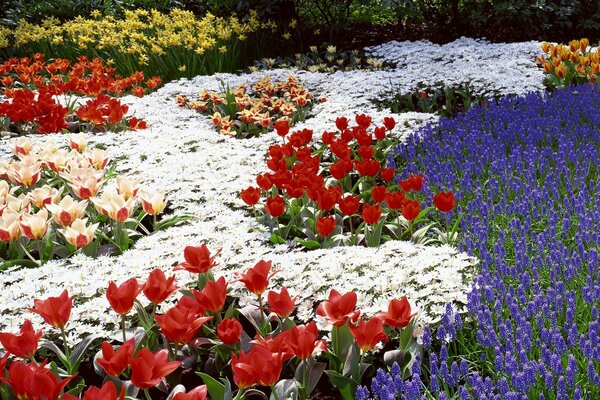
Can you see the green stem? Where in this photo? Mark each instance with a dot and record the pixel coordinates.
(274, 392)
(262, 314)
(147, 394)
(153, 222)
(304, 378)
(123, 327)
(66, 344)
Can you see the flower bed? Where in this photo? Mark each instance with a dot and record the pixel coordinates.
(531, 201)
(240, 113)
(53, 204)
(183, 153)
(170, 44)
(340, 192)
(32, 89)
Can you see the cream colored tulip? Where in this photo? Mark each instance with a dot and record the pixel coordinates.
(44, 195)
(126, 187)
(67, 211)
(34, 226)
(114, 205)
(21, 146)
(18, 204)
(78, 142)
(153, 204)
(9, 226)
(98, 158)
(78, 234)
(23, 174)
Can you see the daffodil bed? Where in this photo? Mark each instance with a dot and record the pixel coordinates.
(204, 172)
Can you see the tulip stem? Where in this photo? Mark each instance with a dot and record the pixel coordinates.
(147, 394)
(304, 378)
(262, 314)
(123, 325)
(64, 337)
(28, 254)
(153, 222)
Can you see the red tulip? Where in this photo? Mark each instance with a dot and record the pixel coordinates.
(414, 182)
(338, 309)
(371, 214)
(398, 314)
(395, 200)
(349, 205)
(366, 152)
(35, 381)
(444, 201)
(327, 198)
(368, 334)
(197, 259)
(250, 196)
(275, 206)
(257, 367)
(179, 325)
(325, 226)
(380, 133)
(378, 193)
(157, 288)
(114, 362)
(282, 127)
(122, 297)
(303, 340)
(107, 392)
(56, 311)
(387, 174)
(281, 303)
(257, 277)
(147, 369)
(363, 120)
(411, 209)
(278, 344)
(341, 123)
(229, 331)
(389, 123)
(213, 295)
(197, 393)
(368, 167)
(23, 345)
(264, 182)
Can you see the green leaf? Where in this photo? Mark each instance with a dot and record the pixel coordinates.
(143, 315)
(344, 385)
(314, 372)
(215, 388)
(285, 389)
(22, 263)
(79, 385)
(276, 239)
(308, 244)
(47, 344)
(79, 350)
(342, 341)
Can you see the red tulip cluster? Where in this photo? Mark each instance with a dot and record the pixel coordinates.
(30, 87)
(203, 316)
(340, 185)
(242, 113)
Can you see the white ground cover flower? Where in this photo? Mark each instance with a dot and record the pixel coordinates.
(203, 173)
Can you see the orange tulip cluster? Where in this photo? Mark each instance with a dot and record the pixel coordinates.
(574, 63)
(242, 113)
(30, 86)
(49, 186)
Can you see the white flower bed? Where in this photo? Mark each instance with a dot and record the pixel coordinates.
(204, 172)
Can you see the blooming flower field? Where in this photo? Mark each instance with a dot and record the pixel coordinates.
(524, 176)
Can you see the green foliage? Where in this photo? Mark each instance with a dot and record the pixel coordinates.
(439, 99)
(514, 19)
